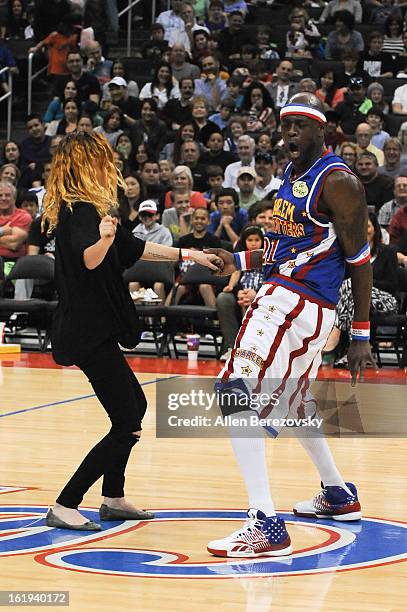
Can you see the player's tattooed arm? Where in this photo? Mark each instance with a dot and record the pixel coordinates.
(161, 252)
(343, 199)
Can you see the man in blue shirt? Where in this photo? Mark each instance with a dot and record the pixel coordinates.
(211, 86)
(97, 65)
(229, 220)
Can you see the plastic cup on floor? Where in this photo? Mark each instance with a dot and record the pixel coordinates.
(193, 341)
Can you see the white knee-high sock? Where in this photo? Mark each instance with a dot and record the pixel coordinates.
(251, 457)
(320, 454)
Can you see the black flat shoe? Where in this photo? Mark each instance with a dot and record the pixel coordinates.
(113, 514)
(53, 521)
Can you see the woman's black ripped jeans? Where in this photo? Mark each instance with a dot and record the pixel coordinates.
(121, 395)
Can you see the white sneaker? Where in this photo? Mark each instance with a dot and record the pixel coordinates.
(260, 536)
(147, 335)
(150, 295)
(225, 356)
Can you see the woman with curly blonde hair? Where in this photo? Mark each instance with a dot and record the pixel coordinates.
(95, 313)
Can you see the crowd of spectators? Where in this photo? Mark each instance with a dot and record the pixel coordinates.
(199, 143)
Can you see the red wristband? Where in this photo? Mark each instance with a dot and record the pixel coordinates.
(360, 330)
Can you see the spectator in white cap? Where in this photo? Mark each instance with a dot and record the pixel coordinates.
(119, 69)
(150, 230)
(120, 97)
(246, 183)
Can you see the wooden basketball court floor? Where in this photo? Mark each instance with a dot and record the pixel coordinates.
(49, 419)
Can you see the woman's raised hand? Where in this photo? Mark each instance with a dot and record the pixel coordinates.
(107, 228)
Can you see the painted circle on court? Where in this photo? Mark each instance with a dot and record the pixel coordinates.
(347, 546)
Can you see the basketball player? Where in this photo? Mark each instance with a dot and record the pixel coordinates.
(95, 313)
(319, 222)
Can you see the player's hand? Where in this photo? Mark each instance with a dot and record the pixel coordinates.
(359, 355)
(240, 297)
(211, 261)
(227, 259)
(248, 296)
(228, 289)
(107, 228)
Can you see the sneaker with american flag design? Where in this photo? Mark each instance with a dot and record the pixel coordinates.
(260, 536)
(332, 503)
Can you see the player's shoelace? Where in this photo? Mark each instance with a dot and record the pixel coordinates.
(251, 526)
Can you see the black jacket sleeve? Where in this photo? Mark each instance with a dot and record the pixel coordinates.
(129, 248)
(385, 275)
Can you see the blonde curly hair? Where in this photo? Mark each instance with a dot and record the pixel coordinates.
(74, 178)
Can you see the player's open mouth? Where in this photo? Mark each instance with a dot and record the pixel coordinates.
(293, 147)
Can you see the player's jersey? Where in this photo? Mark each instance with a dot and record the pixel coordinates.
(302, 251)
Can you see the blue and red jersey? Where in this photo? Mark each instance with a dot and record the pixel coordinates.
(302, 251)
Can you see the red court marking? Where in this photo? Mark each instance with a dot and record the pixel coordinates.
(15, 489)
(181, 558)
(209, 367)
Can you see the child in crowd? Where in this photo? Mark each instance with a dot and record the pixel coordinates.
(29, 202)
(222, 117)
(375, 118)
(150, 230)
(247, 283)
(215, 177)
(59, 44)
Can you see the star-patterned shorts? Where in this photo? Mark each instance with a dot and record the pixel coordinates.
(277, 352)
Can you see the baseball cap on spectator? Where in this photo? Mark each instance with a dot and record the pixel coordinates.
(148, 206)
(118, 81)
(247, 170)
(263, 157)
(356, 82)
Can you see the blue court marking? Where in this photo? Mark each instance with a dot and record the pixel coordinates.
(76, 399)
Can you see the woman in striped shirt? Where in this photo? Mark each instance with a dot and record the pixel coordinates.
(393, 40)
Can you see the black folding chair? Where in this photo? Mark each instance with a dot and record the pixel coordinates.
(392, 123)
(145, 272)
(199, 318)
(389, 328)
(38, 268)
(392, 328)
